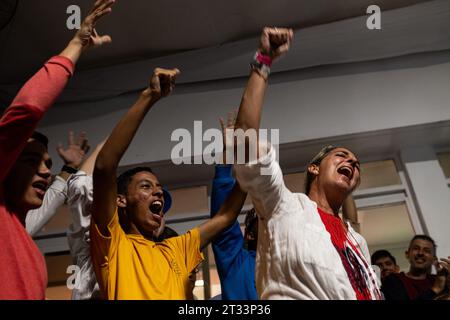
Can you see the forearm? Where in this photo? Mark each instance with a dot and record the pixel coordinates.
(250, 109)
(227, 214)
(116, 145)
(73, 51)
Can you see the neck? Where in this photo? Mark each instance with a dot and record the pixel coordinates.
(418, 274)
(325, 202)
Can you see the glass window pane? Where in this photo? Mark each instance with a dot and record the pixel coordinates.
(387, 227)
(379, 174)
(444, 160)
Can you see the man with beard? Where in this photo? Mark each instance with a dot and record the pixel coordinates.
(418, 283)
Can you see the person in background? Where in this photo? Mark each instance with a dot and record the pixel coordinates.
(418, 283)
(386, 262)
(56, 194)
(234, 252)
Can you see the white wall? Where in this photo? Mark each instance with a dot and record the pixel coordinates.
(304, 105)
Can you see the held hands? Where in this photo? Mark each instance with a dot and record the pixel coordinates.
(275, 41)
(87, 36)
(161, 83)
(76, 151)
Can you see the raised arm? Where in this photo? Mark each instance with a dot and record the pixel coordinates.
(104, 176)
(87, 36)
(263, 179)
(39, 93)
(274, 43)
(226, 215)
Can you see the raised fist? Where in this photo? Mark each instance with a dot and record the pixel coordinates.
(275, 41)
(162, 82)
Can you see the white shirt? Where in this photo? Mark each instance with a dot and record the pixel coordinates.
(295, 256)
(54, 198)
(79, 199)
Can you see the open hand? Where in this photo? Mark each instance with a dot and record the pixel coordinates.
(87, 35)
(74, 154)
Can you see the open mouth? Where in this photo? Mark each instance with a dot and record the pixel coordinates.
(346, 171)
(156, 206)
(40, 187)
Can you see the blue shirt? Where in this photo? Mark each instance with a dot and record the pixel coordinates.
(235, 264)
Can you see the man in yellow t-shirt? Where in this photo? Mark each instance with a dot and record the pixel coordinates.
(127, 213)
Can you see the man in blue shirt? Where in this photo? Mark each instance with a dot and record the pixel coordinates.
(234, 253)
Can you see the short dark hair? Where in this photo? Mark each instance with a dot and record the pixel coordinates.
(40, 137)
(382, 254)
(423, 237)
(316, 160)
(125, 178)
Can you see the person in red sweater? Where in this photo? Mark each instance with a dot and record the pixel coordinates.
(25, 163)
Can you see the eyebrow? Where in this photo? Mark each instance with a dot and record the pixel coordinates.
(148, 181)
(347, 153)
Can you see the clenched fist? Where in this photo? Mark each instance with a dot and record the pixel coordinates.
(275, 41)
(162, 83)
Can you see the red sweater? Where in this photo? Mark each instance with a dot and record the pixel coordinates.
(23, 274)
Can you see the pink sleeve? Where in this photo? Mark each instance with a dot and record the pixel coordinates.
(33, 100)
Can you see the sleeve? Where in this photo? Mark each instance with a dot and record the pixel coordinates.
(103, 247)
(229, 244)
(263, 181)
(33, 100)
(188, 246)
(53, 199)
(79, 197)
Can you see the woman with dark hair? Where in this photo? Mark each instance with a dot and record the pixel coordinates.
(305, 251)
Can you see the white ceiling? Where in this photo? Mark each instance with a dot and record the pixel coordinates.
(143, 30)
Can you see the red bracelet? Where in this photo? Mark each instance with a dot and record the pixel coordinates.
(263, 59)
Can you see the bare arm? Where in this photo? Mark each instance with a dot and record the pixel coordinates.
(227, 215)
(88, 164)
(274, 42)
(104, 176)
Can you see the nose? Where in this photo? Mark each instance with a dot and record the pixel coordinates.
(158, 192)
(44, 171)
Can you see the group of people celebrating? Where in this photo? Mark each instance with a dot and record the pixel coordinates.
(295, 245)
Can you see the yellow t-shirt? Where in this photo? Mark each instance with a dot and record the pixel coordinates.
(131, 267)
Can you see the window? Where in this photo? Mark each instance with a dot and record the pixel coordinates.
(444, 161)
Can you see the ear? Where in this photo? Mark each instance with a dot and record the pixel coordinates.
(121, 201)
(313, 169)
(397, 268)
(407, 254)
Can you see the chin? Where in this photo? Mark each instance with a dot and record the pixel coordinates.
(33, 203)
